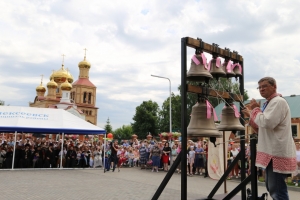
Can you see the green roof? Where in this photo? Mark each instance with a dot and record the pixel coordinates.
(293, 101)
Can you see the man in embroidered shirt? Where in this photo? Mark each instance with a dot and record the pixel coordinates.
(276, 150)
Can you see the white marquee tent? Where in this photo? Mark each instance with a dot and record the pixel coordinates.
(43, 120)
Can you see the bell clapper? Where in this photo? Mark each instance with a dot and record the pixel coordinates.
(213, 140)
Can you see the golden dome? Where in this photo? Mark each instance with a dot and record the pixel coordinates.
(40, 88)
(52, 84)
(84, 64)
(61, 75)
(66, 86)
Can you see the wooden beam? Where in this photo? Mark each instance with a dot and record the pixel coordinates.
(213, 93)
(194, 43)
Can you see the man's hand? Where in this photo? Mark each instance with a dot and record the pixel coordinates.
(246, 112)
(254, 104)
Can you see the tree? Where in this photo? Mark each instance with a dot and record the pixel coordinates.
(164, 114)
(108, 127)
(124, 132)
(146, 119)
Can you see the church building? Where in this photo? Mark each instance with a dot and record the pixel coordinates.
(77, 97)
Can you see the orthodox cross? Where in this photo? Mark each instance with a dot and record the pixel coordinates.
(42, 79)
(85, 52)
(63, 55)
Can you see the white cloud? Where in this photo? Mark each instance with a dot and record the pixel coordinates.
(129, 41)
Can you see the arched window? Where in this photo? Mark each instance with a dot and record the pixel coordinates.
(90, 98)
(57, 90)
(73, 96)
(84, 97)
(90, 112)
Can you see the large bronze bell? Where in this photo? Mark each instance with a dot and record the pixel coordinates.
(216, 69)
(227, 68)
(237, 69)
(198, 72)
(230, 120)
(200, 125)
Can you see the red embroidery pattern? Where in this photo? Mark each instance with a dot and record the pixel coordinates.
(280, 164)
(263, 158)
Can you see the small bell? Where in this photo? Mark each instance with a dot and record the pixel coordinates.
(199, 71)
(237, 69)
(227, 68)
(216, 68)
(230, 119)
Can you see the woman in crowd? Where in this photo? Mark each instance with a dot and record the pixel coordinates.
(62, 153)
(114, 157)
(165, 156)
(122, 156)
(234, 152)
(97, 157)
(130, 157)
(107, 158)
(199, 159)
(178, 151)
(136, 160)
(155, 154)
(49, 160)
(174, 152)
(143, 154)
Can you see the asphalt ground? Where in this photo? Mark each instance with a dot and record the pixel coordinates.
(129, 183)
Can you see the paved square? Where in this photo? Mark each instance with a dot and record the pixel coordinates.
(129, 183)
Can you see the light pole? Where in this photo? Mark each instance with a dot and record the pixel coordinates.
(170, 99)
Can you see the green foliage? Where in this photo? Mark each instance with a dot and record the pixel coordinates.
(108, 127)
(146, 119)
(164, 114)
(236, 90)
(124, 132)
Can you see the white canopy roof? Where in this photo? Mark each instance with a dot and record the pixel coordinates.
(44, 120)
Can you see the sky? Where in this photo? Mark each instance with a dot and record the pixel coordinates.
(127, 41)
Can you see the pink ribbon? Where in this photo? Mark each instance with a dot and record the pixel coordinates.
(228, 67)
(218, 62)
(196, 61)
(236, 112)
(204, 61)
(210, 108)
(237, 64)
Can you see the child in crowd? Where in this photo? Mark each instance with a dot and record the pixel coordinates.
(191, 159)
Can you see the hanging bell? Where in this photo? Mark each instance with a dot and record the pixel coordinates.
(230, 119)
(200, 124)
(237, 69)
(216, 68)
(227, 68)
(199, 71)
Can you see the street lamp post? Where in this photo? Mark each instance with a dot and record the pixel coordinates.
(170, 99)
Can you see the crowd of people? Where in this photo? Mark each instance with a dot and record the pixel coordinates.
(45, 153)
(152, 154)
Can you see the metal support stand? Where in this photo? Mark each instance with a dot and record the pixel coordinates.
(224, 160)
(167, 177)
(183, 120)
(225, 175)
